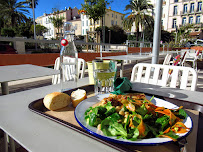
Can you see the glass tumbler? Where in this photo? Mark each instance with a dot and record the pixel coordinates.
(104, 73)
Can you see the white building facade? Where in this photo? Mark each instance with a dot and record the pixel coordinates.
(45, 21)
(176, 13)
(85, 24)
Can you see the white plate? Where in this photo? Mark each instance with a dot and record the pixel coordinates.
(84, 105)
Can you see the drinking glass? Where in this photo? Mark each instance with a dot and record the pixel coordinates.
(104, 73)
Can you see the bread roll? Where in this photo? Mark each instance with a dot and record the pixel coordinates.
(56, 100)
(77, 96)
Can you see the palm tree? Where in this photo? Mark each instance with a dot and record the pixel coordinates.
(57, 22)
(32, 4)
(139, 15)
(14, 12)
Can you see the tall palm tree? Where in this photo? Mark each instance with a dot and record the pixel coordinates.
(13, 11)
(139, 15)
(32, 4)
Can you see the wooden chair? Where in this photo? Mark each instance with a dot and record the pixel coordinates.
(69, 69)
(157, 74)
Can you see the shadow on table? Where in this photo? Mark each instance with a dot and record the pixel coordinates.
(170, 94)
(158, 90)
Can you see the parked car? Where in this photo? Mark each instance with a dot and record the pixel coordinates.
(7, 49)
(198, 42)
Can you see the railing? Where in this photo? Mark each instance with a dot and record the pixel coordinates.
(131, 43)
(198, 11)
(139, 45)
(20, 44)
(183, 12)
(53, 46)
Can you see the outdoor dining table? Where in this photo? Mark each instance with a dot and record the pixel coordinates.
(20, 72)
(37, 133)
(123, 58)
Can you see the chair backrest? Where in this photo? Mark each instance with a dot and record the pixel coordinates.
(69, 69)
(197, 54)
(182, 62)
(157, 74)
(167, 59)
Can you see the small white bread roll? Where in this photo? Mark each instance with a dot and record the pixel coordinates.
(56, 100)
(78, 96)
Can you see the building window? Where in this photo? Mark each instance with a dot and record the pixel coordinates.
(184, 21)
(191, 20)
(175, 1)
(175, 10)
(199, 7)
(112, 15)
(83, 32)
(116, 22)
(174, 23)
(116, 16)
(87, 23)
(162, 22)
(185, 9)
(83, 24)
(192, 7)
(121, 17)
(112, 22)
(197, 19)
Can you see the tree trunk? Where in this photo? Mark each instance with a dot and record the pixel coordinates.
(94, 25)
(12, 20)
(137, 35)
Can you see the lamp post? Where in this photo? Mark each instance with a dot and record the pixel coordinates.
(33, 11)
(157, 32)
(109, 36)
(176, 35)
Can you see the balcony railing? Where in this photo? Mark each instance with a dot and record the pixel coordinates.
(197, 11)
(191, 12)
(183, 13)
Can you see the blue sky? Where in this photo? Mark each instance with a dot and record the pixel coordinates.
(45, 6)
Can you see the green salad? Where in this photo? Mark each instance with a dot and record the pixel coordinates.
(133, 117)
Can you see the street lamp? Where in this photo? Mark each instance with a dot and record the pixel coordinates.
(109, 36)
(33, 11)
(176, 35)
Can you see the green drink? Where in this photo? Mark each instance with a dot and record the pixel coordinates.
(104, 74)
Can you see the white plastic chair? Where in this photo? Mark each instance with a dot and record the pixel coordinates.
(193, 57)
(181, 77)
(167, 59)
(182, 60)
(69, 69)
(184, 56)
